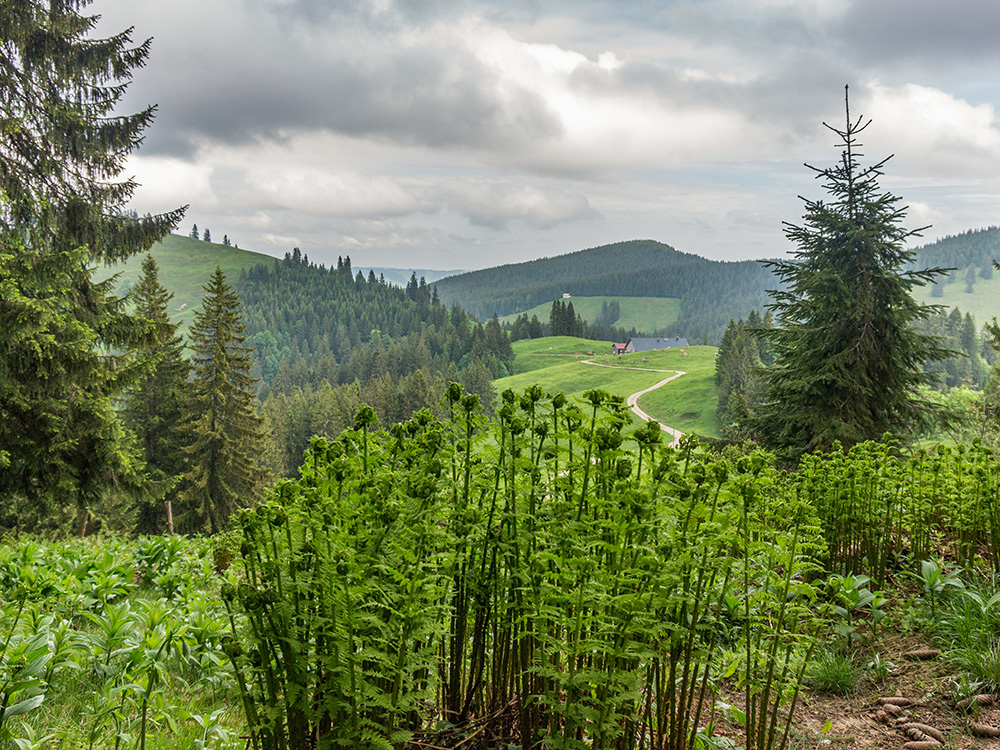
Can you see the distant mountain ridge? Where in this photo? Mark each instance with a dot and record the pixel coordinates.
(401, 276)
(711, 292)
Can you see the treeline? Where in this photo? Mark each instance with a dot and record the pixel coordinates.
(711, 292)
(744, 353)
(565, 321)
(328, 340)
(311, 324)
(976, 247)
(973, 354)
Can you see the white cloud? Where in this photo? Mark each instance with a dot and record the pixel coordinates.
(167, 182)
(932, 131)
(419, 128)
(318, 191)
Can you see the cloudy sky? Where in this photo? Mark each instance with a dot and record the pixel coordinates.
(467, 133)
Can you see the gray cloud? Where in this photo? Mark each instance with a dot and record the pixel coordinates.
(391, 102)
(926, 32)
(496, 205)
(418, 92)
(381, 17)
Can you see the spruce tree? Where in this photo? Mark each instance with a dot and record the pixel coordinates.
(69, 345)
(226, 472)
(848, 360)
(154, 409)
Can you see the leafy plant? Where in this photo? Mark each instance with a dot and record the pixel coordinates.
(23, 661)
(935, 579)
(534, 576)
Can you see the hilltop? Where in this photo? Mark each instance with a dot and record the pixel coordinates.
(709, 292)
(185, 266)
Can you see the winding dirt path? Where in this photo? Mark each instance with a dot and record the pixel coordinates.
(633, 400)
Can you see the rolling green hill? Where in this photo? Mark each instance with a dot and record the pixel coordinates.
(975, 249)
(709, 292)
(185, 266)
(646, 314)
(983, 303)
(560, 363)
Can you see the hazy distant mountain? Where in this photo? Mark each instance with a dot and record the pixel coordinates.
(400, 276)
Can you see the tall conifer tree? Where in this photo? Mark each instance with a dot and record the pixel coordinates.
(848, 360)
(226, 471)
(69, 344)
(154, 408)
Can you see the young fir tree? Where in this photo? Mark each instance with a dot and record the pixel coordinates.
(848, 361)
(154, 408)
(226, 472)
(69, 345)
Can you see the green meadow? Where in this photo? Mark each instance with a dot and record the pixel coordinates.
(558, 363)
(983, 303)
(185, 266)
(689, 402)
(647, 314)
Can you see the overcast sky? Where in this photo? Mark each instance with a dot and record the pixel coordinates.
(466, 133)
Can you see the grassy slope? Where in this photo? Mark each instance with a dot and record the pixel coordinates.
(555, 363)
(983, 303)
(689, 402)
(646, 314)
(185, 267)
(538, 354)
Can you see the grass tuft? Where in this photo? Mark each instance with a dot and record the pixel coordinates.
(833, 672)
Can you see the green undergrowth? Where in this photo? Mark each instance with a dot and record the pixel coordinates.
(114, 644)
(549, 577)
(553, 577)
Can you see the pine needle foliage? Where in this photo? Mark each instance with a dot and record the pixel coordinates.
(226, 472)
(848, 360)
(546, 578)
(69, 346)
(155, 410)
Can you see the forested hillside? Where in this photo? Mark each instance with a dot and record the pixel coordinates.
(976, 247)
(711, 292)
(331, 341)
(309, 323)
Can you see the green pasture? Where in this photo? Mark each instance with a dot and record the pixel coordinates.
(689, 402)
(537, 354)
(983, 303)
(557, 364)
(185, 266)
(647, 314)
